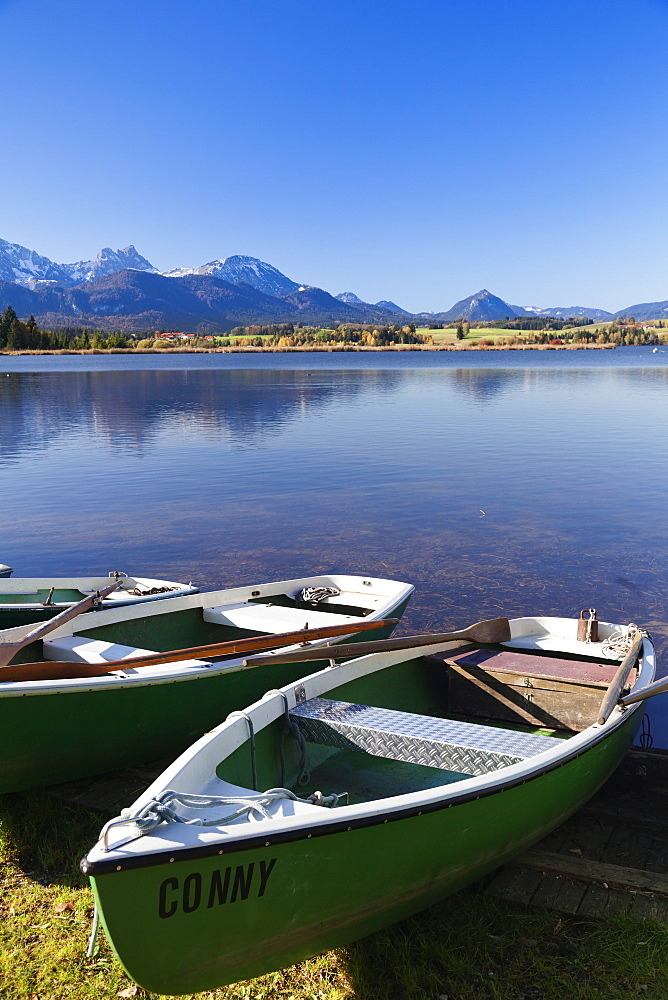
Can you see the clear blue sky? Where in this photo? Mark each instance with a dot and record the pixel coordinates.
(416, 151)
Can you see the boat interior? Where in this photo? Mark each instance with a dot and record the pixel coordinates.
(215, 617)
(427, 722)
(43, 595)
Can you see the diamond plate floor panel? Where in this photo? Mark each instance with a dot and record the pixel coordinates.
(421, 739)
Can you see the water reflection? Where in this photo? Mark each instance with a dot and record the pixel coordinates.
(129, 409)
(132, 409)
(505, 491)
(483, 384)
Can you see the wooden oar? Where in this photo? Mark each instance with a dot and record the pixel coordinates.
(9, 649)
(61, 669)
(658, 687)
(492, 631)
(616, 686)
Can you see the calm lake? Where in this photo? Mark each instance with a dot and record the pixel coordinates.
(506, 483)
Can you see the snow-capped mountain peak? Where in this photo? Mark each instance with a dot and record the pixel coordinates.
(25, 267)
(254, 272)
(22, 266)
(109, 261)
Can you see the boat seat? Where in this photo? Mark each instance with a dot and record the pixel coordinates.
(448, 744)
(80, 649)
(521, 687)
(272, 618)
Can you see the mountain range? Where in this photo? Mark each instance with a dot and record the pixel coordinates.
(121, 289)
(25, 267)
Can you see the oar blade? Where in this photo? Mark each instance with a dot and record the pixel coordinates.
(491, 631)
(487, 632)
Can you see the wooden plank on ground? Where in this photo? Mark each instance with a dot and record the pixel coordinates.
(515, 884)
(620, 848)
(546, 892)
(610, 858)
(607, 875)
(641, 845)
(619, 902)
(638, 790)
(590, 835)
(647, 907)
(594, 902)
(656, 859)
(568, 896)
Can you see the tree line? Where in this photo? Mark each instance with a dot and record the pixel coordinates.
(298, 335)
(20, 335)
(535, 323)
(25, 335)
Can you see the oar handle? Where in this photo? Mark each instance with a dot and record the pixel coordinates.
(658, 687)
(616, 686)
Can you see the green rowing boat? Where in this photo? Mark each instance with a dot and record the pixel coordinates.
(94, 695)
(28, 600)
(438, 763)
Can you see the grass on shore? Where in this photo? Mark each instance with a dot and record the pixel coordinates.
(448, 336)
(471, 947)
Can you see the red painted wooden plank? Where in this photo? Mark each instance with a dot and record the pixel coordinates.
(552, 667)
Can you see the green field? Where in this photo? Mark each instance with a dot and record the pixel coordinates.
(475, 334)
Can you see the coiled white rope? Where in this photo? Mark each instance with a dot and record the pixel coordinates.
(164, 809)
(618, 643)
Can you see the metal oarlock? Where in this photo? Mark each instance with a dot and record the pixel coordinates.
(588, 627)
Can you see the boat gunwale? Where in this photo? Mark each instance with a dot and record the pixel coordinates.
(310, 830)
(360, 815)
(88, 585)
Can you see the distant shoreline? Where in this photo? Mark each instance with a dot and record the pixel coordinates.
(314, 349)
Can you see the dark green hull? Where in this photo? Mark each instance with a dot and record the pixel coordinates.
(184, 926)
(57, 736)
(53, 738)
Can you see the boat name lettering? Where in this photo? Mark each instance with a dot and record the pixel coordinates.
(223, 885)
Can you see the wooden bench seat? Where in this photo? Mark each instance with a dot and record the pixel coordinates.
(465, 747)
(272, 618)
(517, 686)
